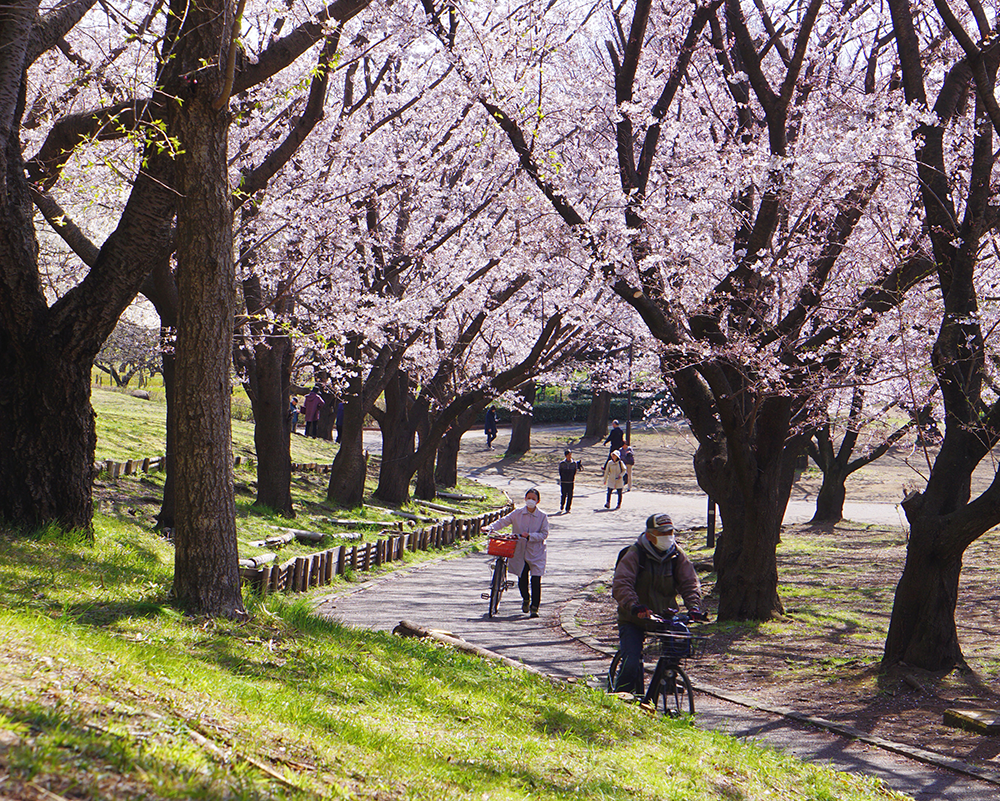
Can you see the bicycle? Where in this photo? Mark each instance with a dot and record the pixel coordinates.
(673, 643)
(502, 547)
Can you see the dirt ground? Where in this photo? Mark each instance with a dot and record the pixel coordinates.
(836, 584)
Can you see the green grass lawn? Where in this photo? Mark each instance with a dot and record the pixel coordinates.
(106, 691)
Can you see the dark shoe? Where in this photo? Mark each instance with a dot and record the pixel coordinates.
(607, 506)
(619, 506)
(534, 612)
(524, 606)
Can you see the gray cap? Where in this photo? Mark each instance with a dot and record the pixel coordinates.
(660, 522)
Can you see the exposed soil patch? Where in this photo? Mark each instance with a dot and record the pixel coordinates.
(837, 586)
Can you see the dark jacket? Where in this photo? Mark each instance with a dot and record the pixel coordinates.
(616, 437)
(655, 584)
(567, 471)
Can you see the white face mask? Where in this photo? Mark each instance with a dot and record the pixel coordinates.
(664, 542)
(531, 503)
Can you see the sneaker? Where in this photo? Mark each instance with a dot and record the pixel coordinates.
(525, 606)
(607, 506)
(534, 612)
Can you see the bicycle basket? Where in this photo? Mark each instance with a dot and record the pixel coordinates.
(501, 547)
(676, 640)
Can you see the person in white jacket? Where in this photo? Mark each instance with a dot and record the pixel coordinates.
(531, 526)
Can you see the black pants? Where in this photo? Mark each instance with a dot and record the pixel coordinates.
(566, 499)
(536, 588)
(608, 501)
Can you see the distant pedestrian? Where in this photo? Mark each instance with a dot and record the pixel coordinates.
(567, 476)
(312, 406)
(616, 438)
(614, 478)
(293, 414)
(339, 419)
(628, 459)
(490, 427)
(531, 526)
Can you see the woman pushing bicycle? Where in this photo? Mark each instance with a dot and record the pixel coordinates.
(649, 575)
(531, 526)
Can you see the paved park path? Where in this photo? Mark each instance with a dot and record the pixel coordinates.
(582, 546)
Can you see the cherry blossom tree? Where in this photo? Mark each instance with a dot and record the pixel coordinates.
(948, 75)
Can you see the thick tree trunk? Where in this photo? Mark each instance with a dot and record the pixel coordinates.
(446, 471)
(597, 417)
(520, 424)
(206, 566)
(752, 501)
(166, 517)
(47, 439)
(922, 630)
(426, 486)
(347, 475)
(398, 444)
(832, 495)
(272, 372)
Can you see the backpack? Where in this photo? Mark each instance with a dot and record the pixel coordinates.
(643, 556)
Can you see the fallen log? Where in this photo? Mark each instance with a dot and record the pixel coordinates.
(458, 496)
(304, 536)
(407, 629)
(358, 523)
(439, 508)
(258, 561)
(416, 518)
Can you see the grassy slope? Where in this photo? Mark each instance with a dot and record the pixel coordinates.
(107, 692)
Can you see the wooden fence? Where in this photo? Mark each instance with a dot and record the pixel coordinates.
(316, 570)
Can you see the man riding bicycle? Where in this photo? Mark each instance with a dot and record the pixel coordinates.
(649, 575)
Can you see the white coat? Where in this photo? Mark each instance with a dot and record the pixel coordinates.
(614, 475)
(531, 549)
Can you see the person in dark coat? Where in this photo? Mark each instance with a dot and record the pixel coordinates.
(567, 476)
(616, 437)
(490, 427)
(648, 578)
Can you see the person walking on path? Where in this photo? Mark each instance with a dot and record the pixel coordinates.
(293, 414)
(531, 525)
(567, 476)
(616, 437)
(628, 459)
(649, 575)
(490, 427)
(312, 406)
(614, 478)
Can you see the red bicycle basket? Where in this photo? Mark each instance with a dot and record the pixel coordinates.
(501, 548)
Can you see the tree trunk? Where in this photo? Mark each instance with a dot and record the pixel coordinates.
(832, 495)
(426, 486)
(347, 475)
(597, 417)
(922, 630)
(206, 565)
(446, 472)
(398, 444)
(166, 518)
(271, 432)
(520, 424)
(47, 439)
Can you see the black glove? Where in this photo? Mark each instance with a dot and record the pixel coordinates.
(698, 616)
(641, 611)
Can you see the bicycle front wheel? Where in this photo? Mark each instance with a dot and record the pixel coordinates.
(616, 663)
(676, 693)
(498, 584)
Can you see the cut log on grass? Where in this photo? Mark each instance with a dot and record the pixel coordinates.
(458, 496)
(304, 536)
(258, 561)
(359, 523)
(407, 629)
(415, 518)
(439, 508)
